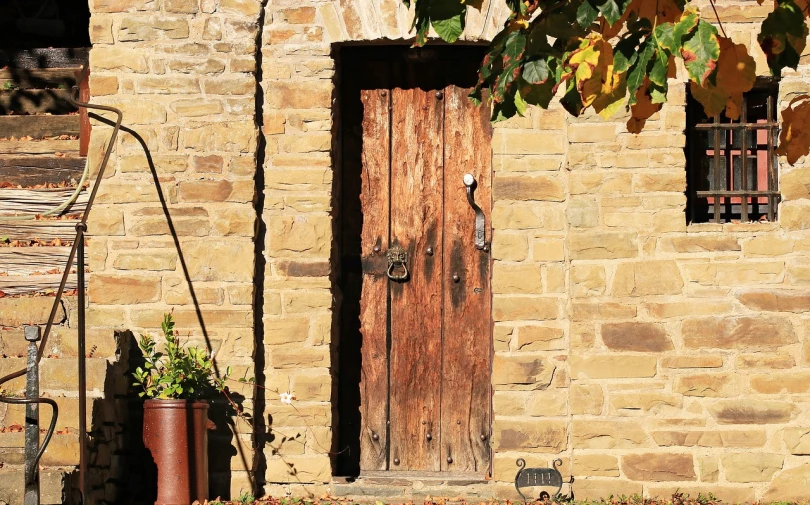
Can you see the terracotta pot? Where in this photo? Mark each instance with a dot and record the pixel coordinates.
(175, 432)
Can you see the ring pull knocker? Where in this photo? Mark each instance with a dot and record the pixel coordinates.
(480, 220)
(397, 259)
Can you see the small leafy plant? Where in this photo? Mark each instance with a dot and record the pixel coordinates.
(180, 372)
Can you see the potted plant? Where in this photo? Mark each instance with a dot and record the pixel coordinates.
(175, 421)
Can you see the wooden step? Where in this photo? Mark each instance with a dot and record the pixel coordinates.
(36, 201)
(39, 126)
(46, 230)
(13, 285)
(34, 269)
(28, 171)
(37, 78)
(51, 57)
(35, 101)
(32, 260)
(49, 146)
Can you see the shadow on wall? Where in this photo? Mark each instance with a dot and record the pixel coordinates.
(137, 481)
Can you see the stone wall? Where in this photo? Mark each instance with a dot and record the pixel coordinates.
(649, 355)
(183, 72)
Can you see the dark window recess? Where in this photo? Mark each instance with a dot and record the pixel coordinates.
(732, 171)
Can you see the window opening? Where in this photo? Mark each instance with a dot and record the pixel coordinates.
(732, 168)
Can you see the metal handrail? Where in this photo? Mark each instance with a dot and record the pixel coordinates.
(76, 248)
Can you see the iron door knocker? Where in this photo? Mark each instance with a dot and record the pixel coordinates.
(397, 259)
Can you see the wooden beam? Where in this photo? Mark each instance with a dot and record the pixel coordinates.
(35, 101)
(49, 146)
(28, 171)
(37, 201)
(27, 284)
(39, 126)
(55, 57)
(63, 229)
(38, 78)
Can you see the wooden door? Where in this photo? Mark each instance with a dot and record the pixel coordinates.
(426, 340)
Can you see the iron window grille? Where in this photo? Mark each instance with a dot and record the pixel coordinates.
(732, 170)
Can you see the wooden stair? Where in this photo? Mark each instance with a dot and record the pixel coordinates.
(40, 167)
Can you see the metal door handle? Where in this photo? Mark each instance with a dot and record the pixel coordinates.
(397, 258)
(480, 220)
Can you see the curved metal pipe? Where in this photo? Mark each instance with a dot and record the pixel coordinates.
(48, 434)
(81, 226)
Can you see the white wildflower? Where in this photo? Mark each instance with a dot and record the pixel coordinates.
(286, 398)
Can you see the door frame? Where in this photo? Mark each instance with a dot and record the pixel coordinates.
(347, 388)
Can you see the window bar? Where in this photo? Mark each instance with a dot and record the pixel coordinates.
(771, 178)
(744, 163)
(716, 168)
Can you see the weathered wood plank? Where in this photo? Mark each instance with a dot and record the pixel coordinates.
(35, 101)
(52, 57)
(37, 201)
(37, 78)
(39, 126)
(28, 171)
(27, 284)
(32, 260)
(416, 225)
(51, 146)
(467, 348)
(374, 298)
(63, 229)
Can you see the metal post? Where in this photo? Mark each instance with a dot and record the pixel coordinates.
(32, 334)
(80, 229)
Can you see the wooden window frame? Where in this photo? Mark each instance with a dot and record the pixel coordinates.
(713, 140)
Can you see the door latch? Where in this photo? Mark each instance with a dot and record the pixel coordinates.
(480, 220)
(397, 260)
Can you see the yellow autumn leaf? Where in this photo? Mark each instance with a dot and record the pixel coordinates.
(794, 139)
(594, 69)
(611, 100)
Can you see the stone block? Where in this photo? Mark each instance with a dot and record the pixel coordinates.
(151, 260)
(529, 435)
(612, 366)
(595, 465)
(586, 399)
(706, 385)
(587, 280)
(645, 402)
(523, 278)
(781, 382)
(790, 485)
(295, 95)
(509, 246)
(599, 434)
(735, 332)
(219, 260)
(636, 336)
(147, 28)
(644, 278)
(590, 311)
(746, 438)
(525, 308)
(692, 361)
(776, 301)
(521, 371)
(602, 245)
(659, 467)
(751, 466)
(743, 411)
(528, 188)
(28, 310)
(699, 244)
(116, 289)
(797, 441)
(527, 142)
(539, 338)
(301, 236)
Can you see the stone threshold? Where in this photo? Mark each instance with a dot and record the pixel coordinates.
(396, 486)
